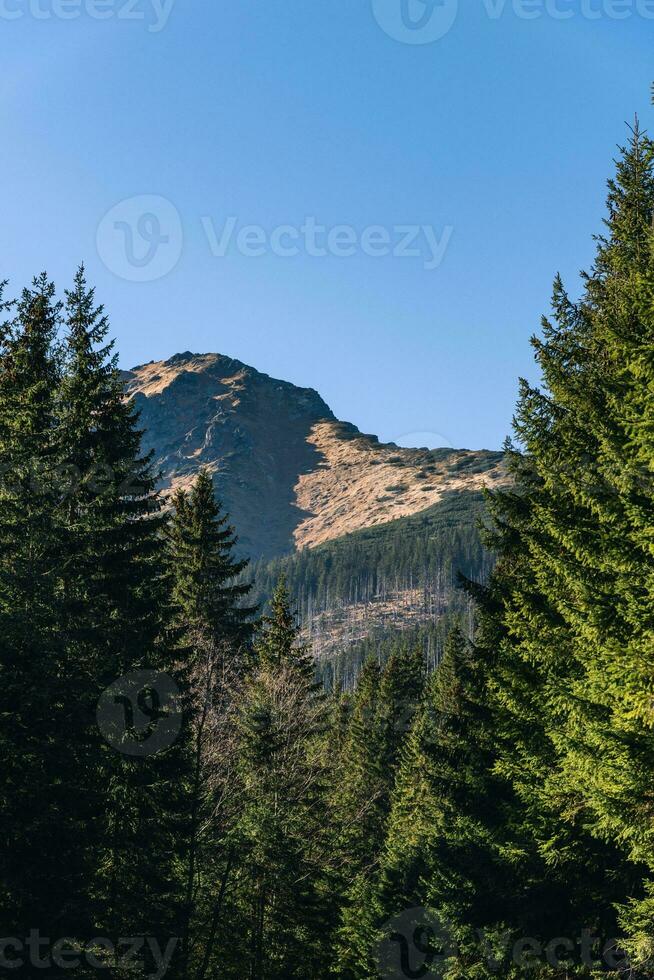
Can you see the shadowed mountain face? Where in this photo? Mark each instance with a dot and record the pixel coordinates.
(250, 431)
(289, 473)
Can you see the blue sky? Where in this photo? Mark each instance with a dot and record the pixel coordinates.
(134, 132)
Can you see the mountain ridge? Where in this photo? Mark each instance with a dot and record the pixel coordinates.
(290, 473)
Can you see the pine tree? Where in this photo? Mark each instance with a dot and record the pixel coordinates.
(400, 694)
(36, 879)
(216, 632)
(206, 591)
(362, 787)
(278, 922)
(440, 852)
(574, 576)
(277, 643)
(384, 705)
(117, 622)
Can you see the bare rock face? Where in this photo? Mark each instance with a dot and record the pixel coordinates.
(289, 473)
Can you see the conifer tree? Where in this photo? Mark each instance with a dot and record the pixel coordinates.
(400, 694)
(278, 922)
(440, 852)
(384, 704)
(216, 631)
(278, 643)
(35, 879)
(575, 571)
(116, 621)
(206, 592)
(356, 797)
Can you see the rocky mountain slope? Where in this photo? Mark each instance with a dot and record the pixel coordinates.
(290, 474)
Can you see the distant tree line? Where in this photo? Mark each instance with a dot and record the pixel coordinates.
(416, 561)
(426, 553)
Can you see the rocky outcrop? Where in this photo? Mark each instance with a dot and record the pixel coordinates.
(289, 473)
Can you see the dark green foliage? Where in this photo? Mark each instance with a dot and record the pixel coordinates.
(277, 922)
(521, 808)
(90, 829)
(277, 643)
(382, 712)
(564, 619)
(204, 569)
(426, 551)
(116, 613)
(575, 568)
(34, 879)
(215, 631)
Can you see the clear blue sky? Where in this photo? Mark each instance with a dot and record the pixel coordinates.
(270, 111)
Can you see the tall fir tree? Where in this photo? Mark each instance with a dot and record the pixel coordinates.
(278, 920)
(575, 572)
(278, 644)
(383, 708)
(116, 621)
(207, 593)
(215, 628)
(36, 879)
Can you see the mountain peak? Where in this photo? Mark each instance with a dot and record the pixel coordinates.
(214, 370)
(290, 474)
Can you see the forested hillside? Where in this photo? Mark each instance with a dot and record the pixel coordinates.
(396, 577)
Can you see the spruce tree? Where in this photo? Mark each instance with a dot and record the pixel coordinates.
(117, 623)
(36, 879)
(574, 575)
(440, 851)
(207, 595)
(400, 694)
(215, 630)
(383, 708)
(278, 920)
(278, 643)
